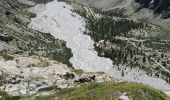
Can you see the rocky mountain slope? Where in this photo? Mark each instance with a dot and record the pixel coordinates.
(17, 38)
(39, 53)
(106, 33)
(27, 56)
(154, 11)
(127, 42)
(158, 6)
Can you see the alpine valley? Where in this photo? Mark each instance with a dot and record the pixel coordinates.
(84, 50)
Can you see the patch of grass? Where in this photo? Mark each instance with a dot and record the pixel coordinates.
(78, 71)
(96, 91)
(107, 91)
(164, 35)
(118, 12)
(2, 80)
(5, 96)
(41, 1)
(49, 88)
(6, 56)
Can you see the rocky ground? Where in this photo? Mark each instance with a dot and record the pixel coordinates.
(26, 75)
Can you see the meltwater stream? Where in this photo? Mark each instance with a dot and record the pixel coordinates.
(58, 19)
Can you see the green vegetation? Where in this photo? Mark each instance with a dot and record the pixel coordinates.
(105, 28)
(2, 80)
(30, 41)
(106, 91)
(118, 12)
(45, 1)
(41, 1)
(78, 71)
(6, 56)
(5, 96)
(121, 51)
(158, 44)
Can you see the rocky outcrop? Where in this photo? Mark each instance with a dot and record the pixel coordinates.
(7, 7)
(158, 6)
(154, 11)
(26, 75)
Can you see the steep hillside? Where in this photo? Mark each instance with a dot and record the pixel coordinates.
(158, 6)
(103, 91)
(154, 11)
(31, 60)
(44, 46)
(17, 38)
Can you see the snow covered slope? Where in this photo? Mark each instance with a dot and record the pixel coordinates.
(69, 26)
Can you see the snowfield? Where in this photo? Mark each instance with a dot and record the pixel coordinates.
(59, 19)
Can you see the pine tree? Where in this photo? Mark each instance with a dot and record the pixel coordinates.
(162, 55)
(123, 73)
(144, 59)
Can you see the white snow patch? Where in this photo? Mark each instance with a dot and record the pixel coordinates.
(167, 93)
(63, 25)
(123, 97)
(27, 2)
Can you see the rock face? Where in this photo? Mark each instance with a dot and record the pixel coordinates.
(158, 6)
(103, 4)
(154, 11)
(8, 6)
